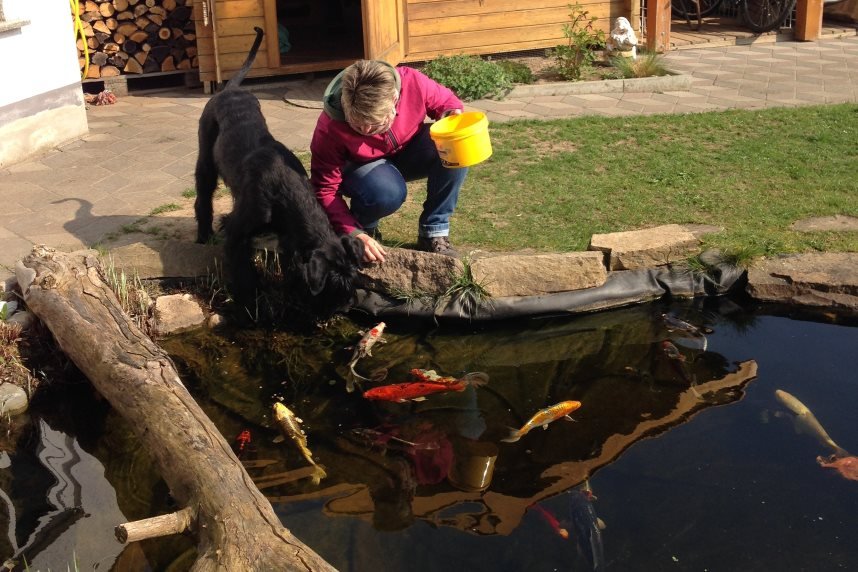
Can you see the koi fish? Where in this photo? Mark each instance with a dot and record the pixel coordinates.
(373, 438)
(551, 520)
(542, 418)
(412, 391)
(674, 323)
(431, 376)
(806, 421)
(241, 441)
(846, 466)
(671, 351)
(418, 390)
(290, 426)
(363, 349)
(587, 528)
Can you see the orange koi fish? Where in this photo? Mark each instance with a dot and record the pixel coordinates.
(363, 349)
(418, 390)
(542, 418)
(413, 391)
(241, 441)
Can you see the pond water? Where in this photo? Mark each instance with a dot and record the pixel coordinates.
(670, 464)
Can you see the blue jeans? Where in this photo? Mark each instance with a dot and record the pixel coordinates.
(377, 189)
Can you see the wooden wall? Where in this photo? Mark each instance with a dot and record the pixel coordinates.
(235, 22)
(449, 27)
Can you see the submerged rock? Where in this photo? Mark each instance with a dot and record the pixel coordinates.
(13, 399)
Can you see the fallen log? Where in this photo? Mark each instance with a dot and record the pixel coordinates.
(235, 526)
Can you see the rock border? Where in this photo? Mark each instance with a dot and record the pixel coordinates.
(670, 82)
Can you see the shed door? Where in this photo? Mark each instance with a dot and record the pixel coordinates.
(384, 30)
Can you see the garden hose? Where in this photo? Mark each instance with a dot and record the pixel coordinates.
(78, 31)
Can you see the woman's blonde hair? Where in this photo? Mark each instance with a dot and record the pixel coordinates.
(368, 91)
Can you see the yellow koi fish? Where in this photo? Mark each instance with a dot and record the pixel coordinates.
(542, 418)
(363, 349)
(806, 421)
(290, 426)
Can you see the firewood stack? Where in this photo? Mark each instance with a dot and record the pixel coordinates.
(137, 36)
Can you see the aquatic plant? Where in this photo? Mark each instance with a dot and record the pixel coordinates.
(132, 296)
(467, 291)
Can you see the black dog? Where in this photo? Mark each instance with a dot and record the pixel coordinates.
(272, 193)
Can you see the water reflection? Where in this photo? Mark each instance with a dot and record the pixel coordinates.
(677, 481)
(637, 372)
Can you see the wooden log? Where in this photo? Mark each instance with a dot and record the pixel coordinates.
(109, 71)
(140, 9)
(102, 37)
(90, 6)
(235, 526)
(124, 16)
(120, 5)
(93, 72)
(155, 19)
(139, 36)
(133, 66)
(142, 22)
(165, 34)
(168, 64)
(106, 9)
(119, 60)
(169, 5)
(126, 29)
(130, 47)
(110, 48)
(140, 56)
(101, 26)
(98, 58)
(112, 23)
(155, 527)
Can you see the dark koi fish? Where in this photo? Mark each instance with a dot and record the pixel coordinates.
(674, 323)
(671, 351)
(363, 349)
(587, 528)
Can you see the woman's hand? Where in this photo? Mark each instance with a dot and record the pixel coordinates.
(373, 251)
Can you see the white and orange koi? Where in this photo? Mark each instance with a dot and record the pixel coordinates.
(363, 349)
(290, 426)
(543, 417)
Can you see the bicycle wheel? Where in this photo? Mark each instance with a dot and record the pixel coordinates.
(688, 10)
(764, 15)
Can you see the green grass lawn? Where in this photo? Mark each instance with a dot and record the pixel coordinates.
(550, 185)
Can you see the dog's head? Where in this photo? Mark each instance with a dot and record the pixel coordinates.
(330, 274)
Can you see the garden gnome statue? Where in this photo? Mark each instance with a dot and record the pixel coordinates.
(622, 41)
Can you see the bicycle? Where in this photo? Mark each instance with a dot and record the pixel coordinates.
(759, 15)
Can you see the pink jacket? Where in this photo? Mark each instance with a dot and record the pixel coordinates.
(335, 144)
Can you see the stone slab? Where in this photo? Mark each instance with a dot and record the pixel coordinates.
(538, 274)
(818, 280)
(645, 248)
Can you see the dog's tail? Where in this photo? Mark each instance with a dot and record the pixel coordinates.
(236, 80)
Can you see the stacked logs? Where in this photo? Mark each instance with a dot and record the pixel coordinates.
(136, 36)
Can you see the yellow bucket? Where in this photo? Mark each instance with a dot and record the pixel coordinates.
(462, 140)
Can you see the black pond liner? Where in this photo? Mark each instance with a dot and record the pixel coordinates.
(622, 288)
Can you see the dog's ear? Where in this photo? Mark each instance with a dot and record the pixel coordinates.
(354, 248)
(315, 272)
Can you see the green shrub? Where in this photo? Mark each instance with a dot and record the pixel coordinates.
(582, 41)
(469, 76)
(517, 72)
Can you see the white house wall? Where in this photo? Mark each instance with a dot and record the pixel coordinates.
(41, 102)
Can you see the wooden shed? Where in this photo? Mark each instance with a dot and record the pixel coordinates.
(317, 35)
